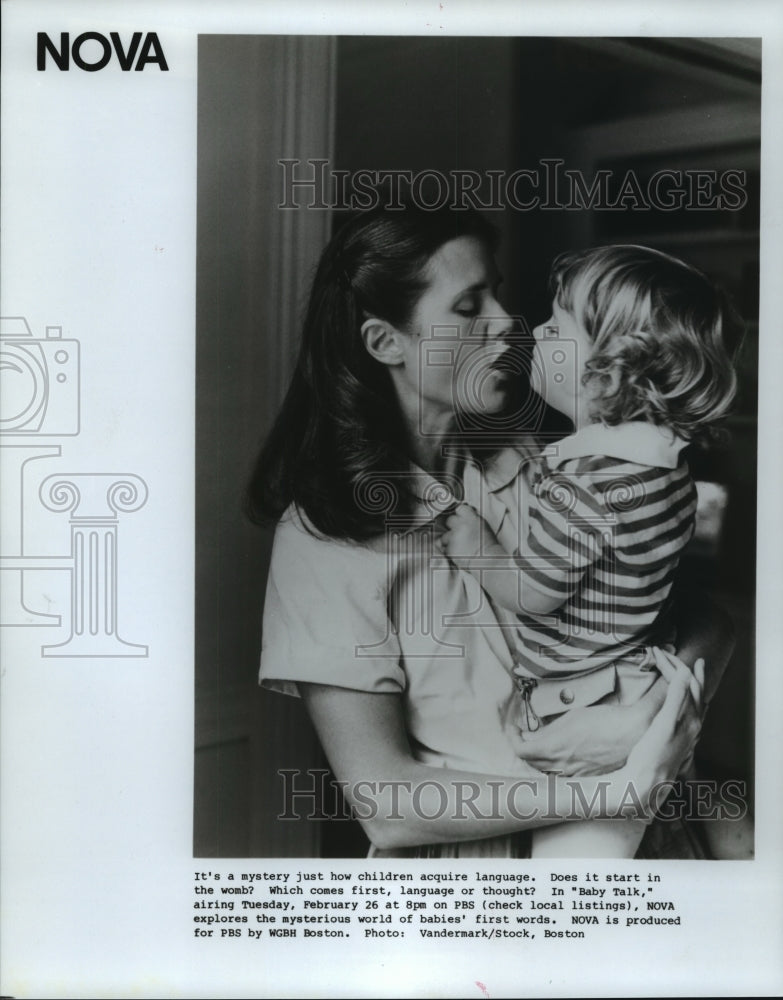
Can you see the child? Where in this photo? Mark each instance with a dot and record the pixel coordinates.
(633, 354)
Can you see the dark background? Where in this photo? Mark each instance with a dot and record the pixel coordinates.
(444, 104)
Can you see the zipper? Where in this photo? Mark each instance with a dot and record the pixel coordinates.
(525, 686)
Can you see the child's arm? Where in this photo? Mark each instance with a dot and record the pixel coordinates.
(469, 542)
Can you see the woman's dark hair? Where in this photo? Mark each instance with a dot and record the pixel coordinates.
(340, 421)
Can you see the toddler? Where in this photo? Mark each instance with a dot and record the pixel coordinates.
(586, 554)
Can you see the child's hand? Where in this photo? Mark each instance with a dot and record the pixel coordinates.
(466, 535)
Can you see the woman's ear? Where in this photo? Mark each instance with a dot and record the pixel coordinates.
(382, 341)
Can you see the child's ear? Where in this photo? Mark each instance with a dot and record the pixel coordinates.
(382, 341)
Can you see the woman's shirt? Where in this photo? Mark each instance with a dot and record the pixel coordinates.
(394, 616)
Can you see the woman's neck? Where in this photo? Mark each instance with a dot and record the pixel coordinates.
(437, 456)
(431, 438)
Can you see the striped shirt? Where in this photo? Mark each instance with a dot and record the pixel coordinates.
(609, 516)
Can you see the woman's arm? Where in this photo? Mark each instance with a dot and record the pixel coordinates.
(598, 738)
(402, 802)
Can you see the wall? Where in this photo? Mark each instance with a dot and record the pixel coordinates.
(260, 98)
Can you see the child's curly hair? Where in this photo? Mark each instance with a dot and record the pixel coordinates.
(658, 328)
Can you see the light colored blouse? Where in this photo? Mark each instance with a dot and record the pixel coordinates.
(395, 616)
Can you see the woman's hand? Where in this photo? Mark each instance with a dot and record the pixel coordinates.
(592, 740)
(597, 739)
(668, 744)
(668, 664)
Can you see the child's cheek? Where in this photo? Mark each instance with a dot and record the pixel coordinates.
(554, 372)
(536, 371)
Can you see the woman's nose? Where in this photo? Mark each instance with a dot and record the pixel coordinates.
(499, 324)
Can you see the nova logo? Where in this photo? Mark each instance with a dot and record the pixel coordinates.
(92, 51)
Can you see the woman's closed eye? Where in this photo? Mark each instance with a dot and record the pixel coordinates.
(467, 308)
(472, 305)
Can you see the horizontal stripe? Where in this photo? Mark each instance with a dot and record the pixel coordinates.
(580, 639)
(674, 540)
(647, 562)
(580, 547)
(677, 507)
(621, 589)
(597, 602)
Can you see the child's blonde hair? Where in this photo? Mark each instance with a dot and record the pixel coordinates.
(658, 327)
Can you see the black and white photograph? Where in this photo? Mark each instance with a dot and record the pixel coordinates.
(391, 565)
(431, 300)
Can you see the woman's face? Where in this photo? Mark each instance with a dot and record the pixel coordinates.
(457, 336)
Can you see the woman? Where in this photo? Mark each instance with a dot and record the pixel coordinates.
(402, 387)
